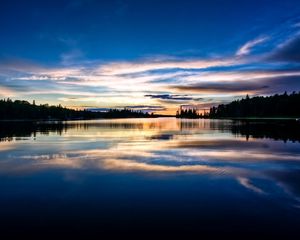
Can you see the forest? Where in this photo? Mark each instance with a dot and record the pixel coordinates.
(188, 113)
(23, 110)
(275, 106)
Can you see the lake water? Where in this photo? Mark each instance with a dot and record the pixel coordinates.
(150, 177)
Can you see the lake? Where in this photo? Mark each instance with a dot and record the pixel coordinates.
(150, 177)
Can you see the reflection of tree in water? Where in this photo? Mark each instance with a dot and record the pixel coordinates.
(120, 125)
(19, 130)
(277, 130)
(286, 130)
(189, 124)
(220, 125)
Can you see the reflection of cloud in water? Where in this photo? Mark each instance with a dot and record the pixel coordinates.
(289, 180)
(247, 184)
(6, 146)
(242, 156)
(103, 160)
(163, 146)
(127, 165)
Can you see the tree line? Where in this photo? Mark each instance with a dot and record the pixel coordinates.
(23, 110)
(275, 106)
(187, 113)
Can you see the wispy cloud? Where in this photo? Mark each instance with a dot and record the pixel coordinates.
(7, 92)
(240, 82)
(174, 97)
(146, 108)
(288, 51)
(157, 83)
(247, 47)
(142, 66)
(229, 87)
(72, 57)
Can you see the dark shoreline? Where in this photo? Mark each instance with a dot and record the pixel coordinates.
(79, 119)
(290, 120)
(278, 129)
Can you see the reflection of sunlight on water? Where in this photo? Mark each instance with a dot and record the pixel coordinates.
(150, 145)
(5, 146)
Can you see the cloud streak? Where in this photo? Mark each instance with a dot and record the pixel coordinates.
(119, 68)
(289, 51)
(158, 83)
(247, 47)
(173, 97)
(229, 87)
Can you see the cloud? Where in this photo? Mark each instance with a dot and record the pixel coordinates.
(27, 70)
(119, 68)
(72, 57)
(289, 51)
(145, 108)
(93, 109)
(239, 82)
(247, 47)
(296, 25)
(7, 92)
(281, 84)
(201, 106)
(225, 87)
(173, 97)
(156, 83)
(10, 66)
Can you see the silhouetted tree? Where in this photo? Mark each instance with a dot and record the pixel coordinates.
(284, 105)
(187, 113)
(18, 109)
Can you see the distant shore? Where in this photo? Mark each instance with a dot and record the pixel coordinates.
(259, 118)
(21, 110)
(290, 119)
(80, 119)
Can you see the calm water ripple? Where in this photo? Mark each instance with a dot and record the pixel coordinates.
(166, 175)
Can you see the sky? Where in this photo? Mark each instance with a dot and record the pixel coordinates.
(149, 55)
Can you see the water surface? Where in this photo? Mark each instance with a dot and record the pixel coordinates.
(144, 177)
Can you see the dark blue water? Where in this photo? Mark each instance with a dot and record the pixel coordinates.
(149, 177)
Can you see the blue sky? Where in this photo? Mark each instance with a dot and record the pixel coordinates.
(150, 55)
